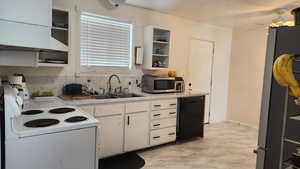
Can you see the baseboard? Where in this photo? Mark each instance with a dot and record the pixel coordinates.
(243, 124)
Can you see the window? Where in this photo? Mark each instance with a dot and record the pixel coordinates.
(104, 42)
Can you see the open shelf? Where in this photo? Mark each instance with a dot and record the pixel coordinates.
(161, 42)
(156, 48)
(295, 118)
(287, 165)
(60, 28)
(60, 33)
(292, 141)
(160, 55)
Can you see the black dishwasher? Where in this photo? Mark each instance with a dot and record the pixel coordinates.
(191, 117)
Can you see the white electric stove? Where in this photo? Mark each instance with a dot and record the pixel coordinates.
(47, 134)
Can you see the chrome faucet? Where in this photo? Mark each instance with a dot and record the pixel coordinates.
(109, 82)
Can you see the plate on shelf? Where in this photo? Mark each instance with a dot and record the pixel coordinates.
(55, 61)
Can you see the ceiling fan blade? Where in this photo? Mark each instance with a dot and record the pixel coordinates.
(291, 5)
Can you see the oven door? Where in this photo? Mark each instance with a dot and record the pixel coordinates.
(164, 85)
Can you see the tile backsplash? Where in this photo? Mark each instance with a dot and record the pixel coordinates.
(56, 83)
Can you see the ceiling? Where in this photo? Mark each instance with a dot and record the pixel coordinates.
(228, 13)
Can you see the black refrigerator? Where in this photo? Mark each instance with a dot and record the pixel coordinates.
(279, 130)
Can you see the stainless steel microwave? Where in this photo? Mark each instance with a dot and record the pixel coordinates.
(156, 84)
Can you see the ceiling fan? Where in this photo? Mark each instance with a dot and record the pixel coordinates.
(282, 20)
(281, 14)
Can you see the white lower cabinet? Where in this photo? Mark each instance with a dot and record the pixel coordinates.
(125, 127)
(162, 136)
(110, 140)
(136, 131)
(163, 123)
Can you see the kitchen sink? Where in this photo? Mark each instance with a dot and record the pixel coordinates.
(130, 95)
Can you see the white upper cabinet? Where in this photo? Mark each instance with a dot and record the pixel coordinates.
(37, 12)
(156, 48)
(26, 23)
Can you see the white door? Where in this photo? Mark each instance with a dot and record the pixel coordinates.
(200, 70)
(136, 131)
(110, 136)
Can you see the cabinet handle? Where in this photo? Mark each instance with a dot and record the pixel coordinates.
(171, 134)
(156, 137)
(172, 113)
(155, 115)
(128, 120)
(173, 104)
(156, 125)
(157, 105)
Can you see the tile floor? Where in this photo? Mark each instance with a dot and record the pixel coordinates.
(225, 146)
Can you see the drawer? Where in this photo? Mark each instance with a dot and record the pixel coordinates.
(109, 109)
(135, 107)
(162, 136)
(158, 124)
(161, 114)
(164, 104)
(88, 109)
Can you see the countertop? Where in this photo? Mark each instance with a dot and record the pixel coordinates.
(145, 97)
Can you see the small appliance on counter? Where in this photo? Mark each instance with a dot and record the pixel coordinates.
(156, 84)
(18, 81)
(73, 89)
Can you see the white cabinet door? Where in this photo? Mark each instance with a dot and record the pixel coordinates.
(37, 12)
(110, 136)
(136, 131)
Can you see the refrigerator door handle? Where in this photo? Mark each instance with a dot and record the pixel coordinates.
(255, 151)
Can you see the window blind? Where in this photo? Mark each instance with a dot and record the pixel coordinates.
(104, 42)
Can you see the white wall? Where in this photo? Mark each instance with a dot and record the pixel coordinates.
(182, 31)
(246, 75)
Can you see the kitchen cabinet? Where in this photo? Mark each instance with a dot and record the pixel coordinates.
(110, 140)
(25, 23)
(163, 136)
(163, 121)
(136, 131)
(36, 12)
(130, 126)
(156, 48)
(164, 104)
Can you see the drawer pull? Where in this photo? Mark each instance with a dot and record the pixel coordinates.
(171, 134)
(156, 125)
(157, 105)
(155, 115)
(173, 104)
(156, 137)
(172, 113)
(128, 120)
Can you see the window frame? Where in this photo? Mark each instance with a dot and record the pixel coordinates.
(119, 69)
